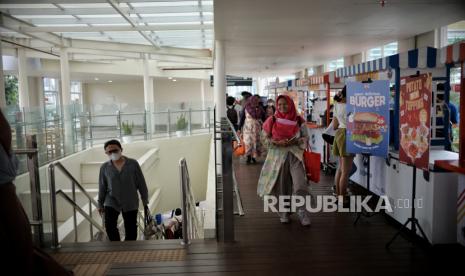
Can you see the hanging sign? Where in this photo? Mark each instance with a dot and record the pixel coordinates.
(368, 118)
(415, 120)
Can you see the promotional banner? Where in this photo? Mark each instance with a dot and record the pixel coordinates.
(415, 120)
(368, 117)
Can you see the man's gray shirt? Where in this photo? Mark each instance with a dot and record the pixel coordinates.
(118, 189)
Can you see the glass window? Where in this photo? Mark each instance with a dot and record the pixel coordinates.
(374, 53)
(51, 98)
(76, 92)
(390, 49)
(456, 32)
(334, 64)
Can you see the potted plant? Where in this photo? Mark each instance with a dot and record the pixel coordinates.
(127, 131)
(181, 126)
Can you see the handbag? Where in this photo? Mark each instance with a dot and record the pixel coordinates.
(149, 225)
(312, 164)
(238, 148)
(101, 235)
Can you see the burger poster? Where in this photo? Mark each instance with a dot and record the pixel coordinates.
(415, 120)
(368, 118)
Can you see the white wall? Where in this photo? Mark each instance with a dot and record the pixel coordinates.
(118, 92)
(132, 92)
(425, 40)
(168, 92)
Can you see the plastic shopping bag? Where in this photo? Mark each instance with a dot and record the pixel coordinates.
(312, 162)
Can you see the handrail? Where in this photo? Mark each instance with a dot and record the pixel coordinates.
(190, 221)
(80, 210)
(234, 131)
(71, 177)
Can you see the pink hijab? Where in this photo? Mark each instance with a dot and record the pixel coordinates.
(283, 125)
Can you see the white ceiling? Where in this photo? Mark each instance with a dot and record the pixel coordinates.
(286, 36)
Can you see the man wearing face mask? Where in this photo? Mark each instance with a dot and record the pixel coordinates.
(120, 179)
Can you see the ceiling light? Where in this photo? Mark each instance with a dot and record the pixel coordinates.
(174, 79)
(110, 81)
(170, 78)
(96, 79)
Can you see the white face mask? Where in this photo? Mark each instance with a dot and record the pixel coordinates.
(115, 156)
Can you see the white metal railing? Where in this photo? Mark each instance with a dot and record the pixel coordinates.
(191, 224)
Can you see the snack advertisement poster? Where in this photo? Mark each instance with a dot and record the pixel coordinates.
(368, 118)
(415, 120)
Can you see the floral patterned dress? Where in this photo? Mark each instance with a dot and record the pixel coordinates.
(274, 161)
(251, 135)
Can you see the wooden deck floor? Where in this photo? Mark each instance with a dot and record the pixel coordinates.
(331, 246)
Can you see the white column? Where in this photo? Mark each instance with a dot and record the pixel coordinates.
(219, 78)
(66, 101)
(2, 81)
(148, 93)
(65, 82)
(440, 37)
(258, 82)
(204, 107)
(23, 86)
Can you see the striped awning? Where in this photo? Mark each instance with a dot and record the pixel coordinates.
(370, 66)
(329, 77)
(417, 58)
(453, 53)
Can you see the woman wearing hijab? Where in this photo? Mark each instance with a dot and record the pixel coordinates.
(250, 125)
(283, 173)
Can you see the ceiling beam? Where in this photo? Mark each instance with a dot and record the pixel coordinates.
(115, 6)
(111, 28)
(100, 11)
(137, 48)
(14, 24)
(78, 1)
(114, 20)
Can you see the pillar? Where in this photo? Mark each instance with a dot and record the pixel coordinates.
(2, 81)
(23, 86)
(204, 104)
(148, 94)
(67, 109)
(219, 78)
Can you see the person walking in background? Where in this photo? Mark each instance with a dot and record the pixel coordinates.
(231, 112)
(19, 255)
(250, 127)
(270, 109)
(339, 147)
(120, 179)
(283, 173)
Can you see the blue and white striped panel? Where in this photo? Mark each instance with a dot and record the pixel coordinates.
(354, 69)
(381, 64)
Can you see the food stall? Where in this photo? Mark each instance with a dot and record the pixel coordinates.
(321, 90)
(435, 202)
(453, 56)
